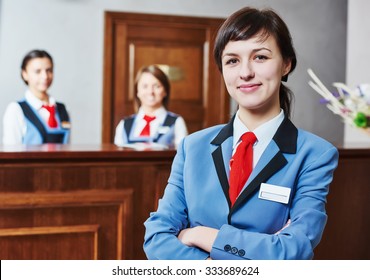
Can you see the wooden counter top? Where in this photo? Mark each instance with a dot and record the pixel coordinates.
(60, 151)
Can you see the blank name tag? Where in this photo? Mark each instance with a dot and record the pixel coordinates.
(274, 193)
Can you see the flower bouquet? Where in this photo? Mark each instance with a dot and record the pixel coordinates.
(352, 105)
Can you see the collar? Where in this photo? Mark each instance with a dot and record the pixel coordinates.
(264, 132)
(35, 102)
(285, 137)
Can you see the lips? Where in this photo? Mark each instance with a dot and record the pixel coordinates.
(249, 87)
(150, 98)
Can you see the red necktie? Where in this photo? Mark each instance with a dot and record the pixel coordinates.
(52, 122)
(241, 165)
(146, 129)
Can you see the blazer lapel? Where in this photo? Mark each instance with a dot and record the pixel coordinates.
(222, 154)
(272, 160)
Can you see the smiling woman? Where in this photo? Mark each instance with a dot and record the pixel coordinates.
(37, 119)
(252, 71)
(152, 125)
(256, 187)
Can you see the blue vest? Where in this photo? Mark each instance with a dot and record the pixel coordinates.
(38, 132)
(165, 134)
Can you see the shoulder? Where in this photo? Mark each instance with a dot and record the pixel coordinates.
(13, 107)
(61, 108)
(178, 119)
(172, 114)
(304, 135)
(133, 116)
(198, 143)
(314, 143)
(13, 114)
(61, 104)
(205, 135)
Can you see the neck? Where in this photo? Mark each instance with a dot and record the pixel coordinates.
(149, 110)
(253, 119)
(43, 96)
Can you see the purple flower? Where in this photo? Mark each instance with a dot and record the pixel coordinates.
(324, 101)
(335, 94)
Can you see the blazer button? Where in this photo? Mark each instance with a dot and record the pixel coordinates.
(227, 248)
(241, 253)
(234, 250)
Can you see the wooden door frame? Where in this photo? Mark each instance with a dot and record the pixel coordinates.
(215, 95)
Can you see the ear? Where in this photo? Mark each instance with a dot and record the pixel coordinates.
(286, 69)
(24, 75)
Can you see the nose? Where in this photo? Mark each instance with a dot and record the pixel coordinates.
(246, 71)
(45, 74)
(152, 90)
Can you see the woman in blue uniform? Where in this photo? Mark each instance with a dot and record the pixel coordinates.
(152, 123)
(256, 187)
(38, 118)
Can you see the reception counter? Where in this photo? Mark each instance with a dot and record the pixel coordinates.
(78, 202)
(90, 202)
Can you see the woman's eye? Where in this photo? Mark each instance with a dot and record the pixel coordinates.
(231, 61)
(260, 57)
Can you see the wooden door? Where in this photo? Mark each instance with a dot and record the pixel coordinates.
(182, 47)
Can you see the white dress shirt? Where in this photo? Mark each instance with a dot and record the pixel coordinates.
(264, 134)
(14, 122)
(160, 114)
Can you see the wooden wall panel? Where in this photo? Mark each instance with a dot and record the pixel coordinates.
(50, 243)
(69, 216)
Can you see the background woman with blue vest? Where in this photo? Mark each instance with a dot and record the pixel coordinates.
(153, 123)
(38, 118)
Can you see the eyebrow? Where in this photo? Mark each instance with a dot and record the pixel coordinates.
(253, 51)
(261, 49)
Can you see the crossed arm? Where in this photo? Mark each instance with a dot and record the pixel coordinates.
(203, 237)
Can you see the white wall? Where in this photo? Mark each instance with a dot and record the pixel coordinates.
(358, 58)
(73, 31)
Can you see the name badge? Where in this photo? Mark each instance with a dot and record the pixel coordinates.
(274, 193)
(66, 125)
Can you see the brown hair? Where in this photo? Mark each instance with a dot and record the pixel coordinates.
(160, 75)
(248, 22)
(31, 55)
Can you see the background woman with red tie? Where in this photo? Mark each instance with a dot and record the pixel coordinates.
(37, 119)
(152, 123)
(256, 187)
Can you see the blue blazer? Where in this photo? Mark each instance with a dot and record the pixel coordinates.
(197, 194)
